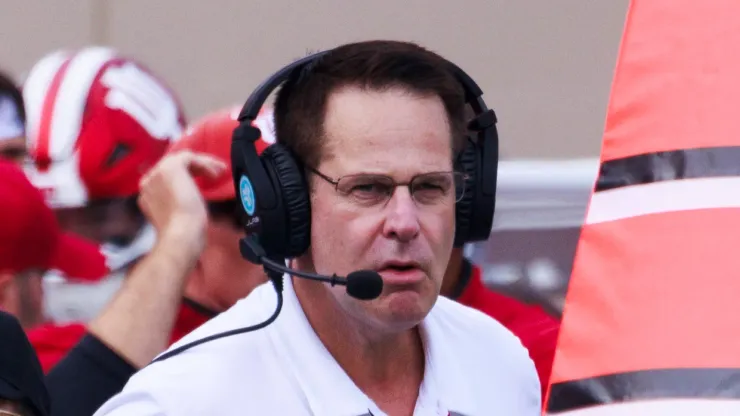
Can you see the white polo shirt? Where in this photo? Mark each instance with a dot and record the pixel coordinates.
(474, 367)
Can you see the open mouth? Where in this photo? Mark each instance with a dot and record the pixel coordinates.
(400, 267)
(401, 273)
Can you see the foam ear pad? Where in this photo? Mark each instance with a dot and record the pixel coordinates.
(296, 203)
(467, 162)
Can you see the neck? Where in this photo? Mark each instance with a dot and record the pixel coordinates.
(453, 274)
(197, 291)
(370, 356)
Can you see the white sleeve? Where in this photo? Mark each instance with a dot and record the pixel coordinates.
(505, 375)
(529, 399)
(131, 404)
(535, 390)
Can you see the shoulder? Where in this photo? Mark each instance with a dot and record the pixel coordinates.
(529, 322)
(537, 330)
(208, 378)
(487, 351)
(474, 326)
(479, 332)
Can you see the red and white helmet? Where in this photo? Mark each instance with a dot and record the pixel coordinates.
(96, 122)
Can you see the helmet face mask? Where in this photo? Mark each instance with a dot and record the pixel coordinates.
(114, 221)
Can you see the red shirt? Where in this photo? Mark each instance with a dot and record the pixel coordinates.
(537, 330)
(52, 341)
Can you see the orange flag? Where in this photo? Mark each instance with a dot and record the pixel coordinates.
(651, 324)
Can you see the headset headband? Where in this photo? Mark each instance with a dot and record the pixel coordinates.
(255, 101)
(250, 110)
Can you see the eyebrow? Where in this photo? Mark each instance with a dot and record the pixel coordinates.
(391, 175)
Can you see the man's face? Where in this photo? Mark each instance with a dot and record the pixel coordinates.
(400, 135)
(227, 276)
(21, 294)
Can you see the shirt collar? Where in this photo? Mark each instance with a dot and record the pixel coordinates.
(324, 385)
(328, 390)
(444, 382)
(190, 316)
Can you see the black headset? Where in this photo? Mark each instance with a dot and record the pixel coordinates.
(275, 206)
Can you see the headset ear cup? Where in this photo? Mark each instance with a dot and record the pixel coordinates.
(296, 202)
(467, 163)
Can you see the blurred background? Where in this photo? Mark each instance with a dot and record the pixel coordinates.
(545, 67)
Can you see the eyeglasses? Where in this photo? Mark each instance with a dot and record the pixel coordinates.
(368, 189)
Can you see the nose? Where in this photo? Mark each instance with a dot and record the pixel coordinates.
(402, 217)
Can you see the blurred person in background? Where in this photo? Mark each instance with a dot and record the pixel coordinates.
(12, 121)
(30, 243)
(135, 326)
(101, 364)
(537, 330)
(222, 276)
(22, 389)
(95, 123)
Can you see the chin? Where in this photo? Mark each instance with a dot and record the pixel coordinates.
(405, 310)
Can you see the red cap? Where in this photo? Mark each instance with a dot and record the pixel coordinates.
(30, 237)
(212, 135)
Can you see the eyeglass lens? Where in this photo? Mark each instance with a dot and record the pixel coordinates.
(426, 189)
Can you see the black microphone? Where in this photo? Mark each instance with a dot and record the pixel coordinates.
(360, 284)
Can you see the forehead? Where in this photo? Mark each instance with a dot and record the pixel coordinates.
(391, 131)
